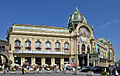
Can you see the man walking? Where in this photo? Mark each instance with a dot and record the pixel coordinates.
(22, 69)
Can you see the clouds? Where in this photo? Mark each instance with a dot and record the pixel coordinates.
(107, 24)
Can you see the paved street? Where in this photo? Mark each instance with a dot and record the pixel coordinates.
(47, 74)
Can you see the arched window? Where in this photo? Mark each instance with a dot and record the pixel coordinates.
(3, 48)
(48, 46)
(17, 45)
(83, 48)
(28, 45)
(66, 47)
(57, 46)
(38, 45)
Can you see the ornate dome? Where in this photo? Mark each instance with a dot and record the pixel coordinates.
(76, 18)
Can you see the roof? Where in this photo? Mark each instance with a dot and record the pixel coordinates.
(3, 42)
(27, 25)
(102, 40)
(40, 28)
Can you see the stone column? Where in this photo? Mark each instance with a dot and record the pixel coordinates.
(43, 61)
(33, 60)
(61, 62)
(98, 62)
(22, 60)
(52, 61)
(70, 60)
(43, 45)
(52, 45)
(11, 57)
(33, 42)
(23, 44)
(87, 59)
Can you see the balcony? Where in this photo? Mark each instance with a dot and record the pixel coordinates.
(28, 48)
(57, 49)
(17, 47)
(38, 48)
(40, 52)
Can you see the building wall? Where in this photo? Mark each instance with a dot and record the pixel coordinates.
(73, 39)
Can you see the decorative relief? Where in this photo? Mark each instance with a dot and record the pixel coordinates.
(23, 38)
(61, 40)
(52, 40)
(42, 39)
(84, 31)
(38, 39)
(33, 38)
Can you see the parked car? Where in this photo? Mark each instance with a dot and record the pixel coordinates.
(86, 68)
(118, 70)
(98, 69)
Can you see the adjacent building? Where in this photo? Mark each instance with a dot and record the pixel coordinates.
(43, 44)
(4, 48)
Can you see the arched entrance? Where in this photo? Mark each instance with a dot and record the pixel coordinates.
(6, 59)
(83, 57)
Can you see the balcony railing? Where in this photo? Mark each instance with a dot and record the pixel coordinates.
(40, 52)
(38, 48)
(57, 49)
(28, 48)
(17, 47)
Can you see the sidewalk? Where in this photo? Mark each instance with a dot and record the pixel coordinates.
(31, 72)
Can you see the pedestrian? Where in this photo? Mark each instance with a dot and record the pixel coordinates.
(7, 69)
(64, 69)
(4, 69)
(42, 68)
(27, 69)
(73, 70)
(1, 67)
(37, 70)
(22, 69)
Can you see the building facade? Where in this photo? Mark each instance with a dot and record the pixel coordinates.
(42, 45)
(4, 48)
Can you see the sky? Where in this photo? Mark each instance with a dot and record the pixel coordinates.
(104, 15)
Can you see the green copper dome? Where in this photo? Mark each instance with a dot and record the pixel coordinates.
(75, 17)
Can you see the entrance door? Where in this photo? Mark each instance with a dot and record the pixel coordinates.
(82, 61)
(66, 61)
(38, 61)
(57, 61)
(28, 60)
(17, 60)
(48, 61)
